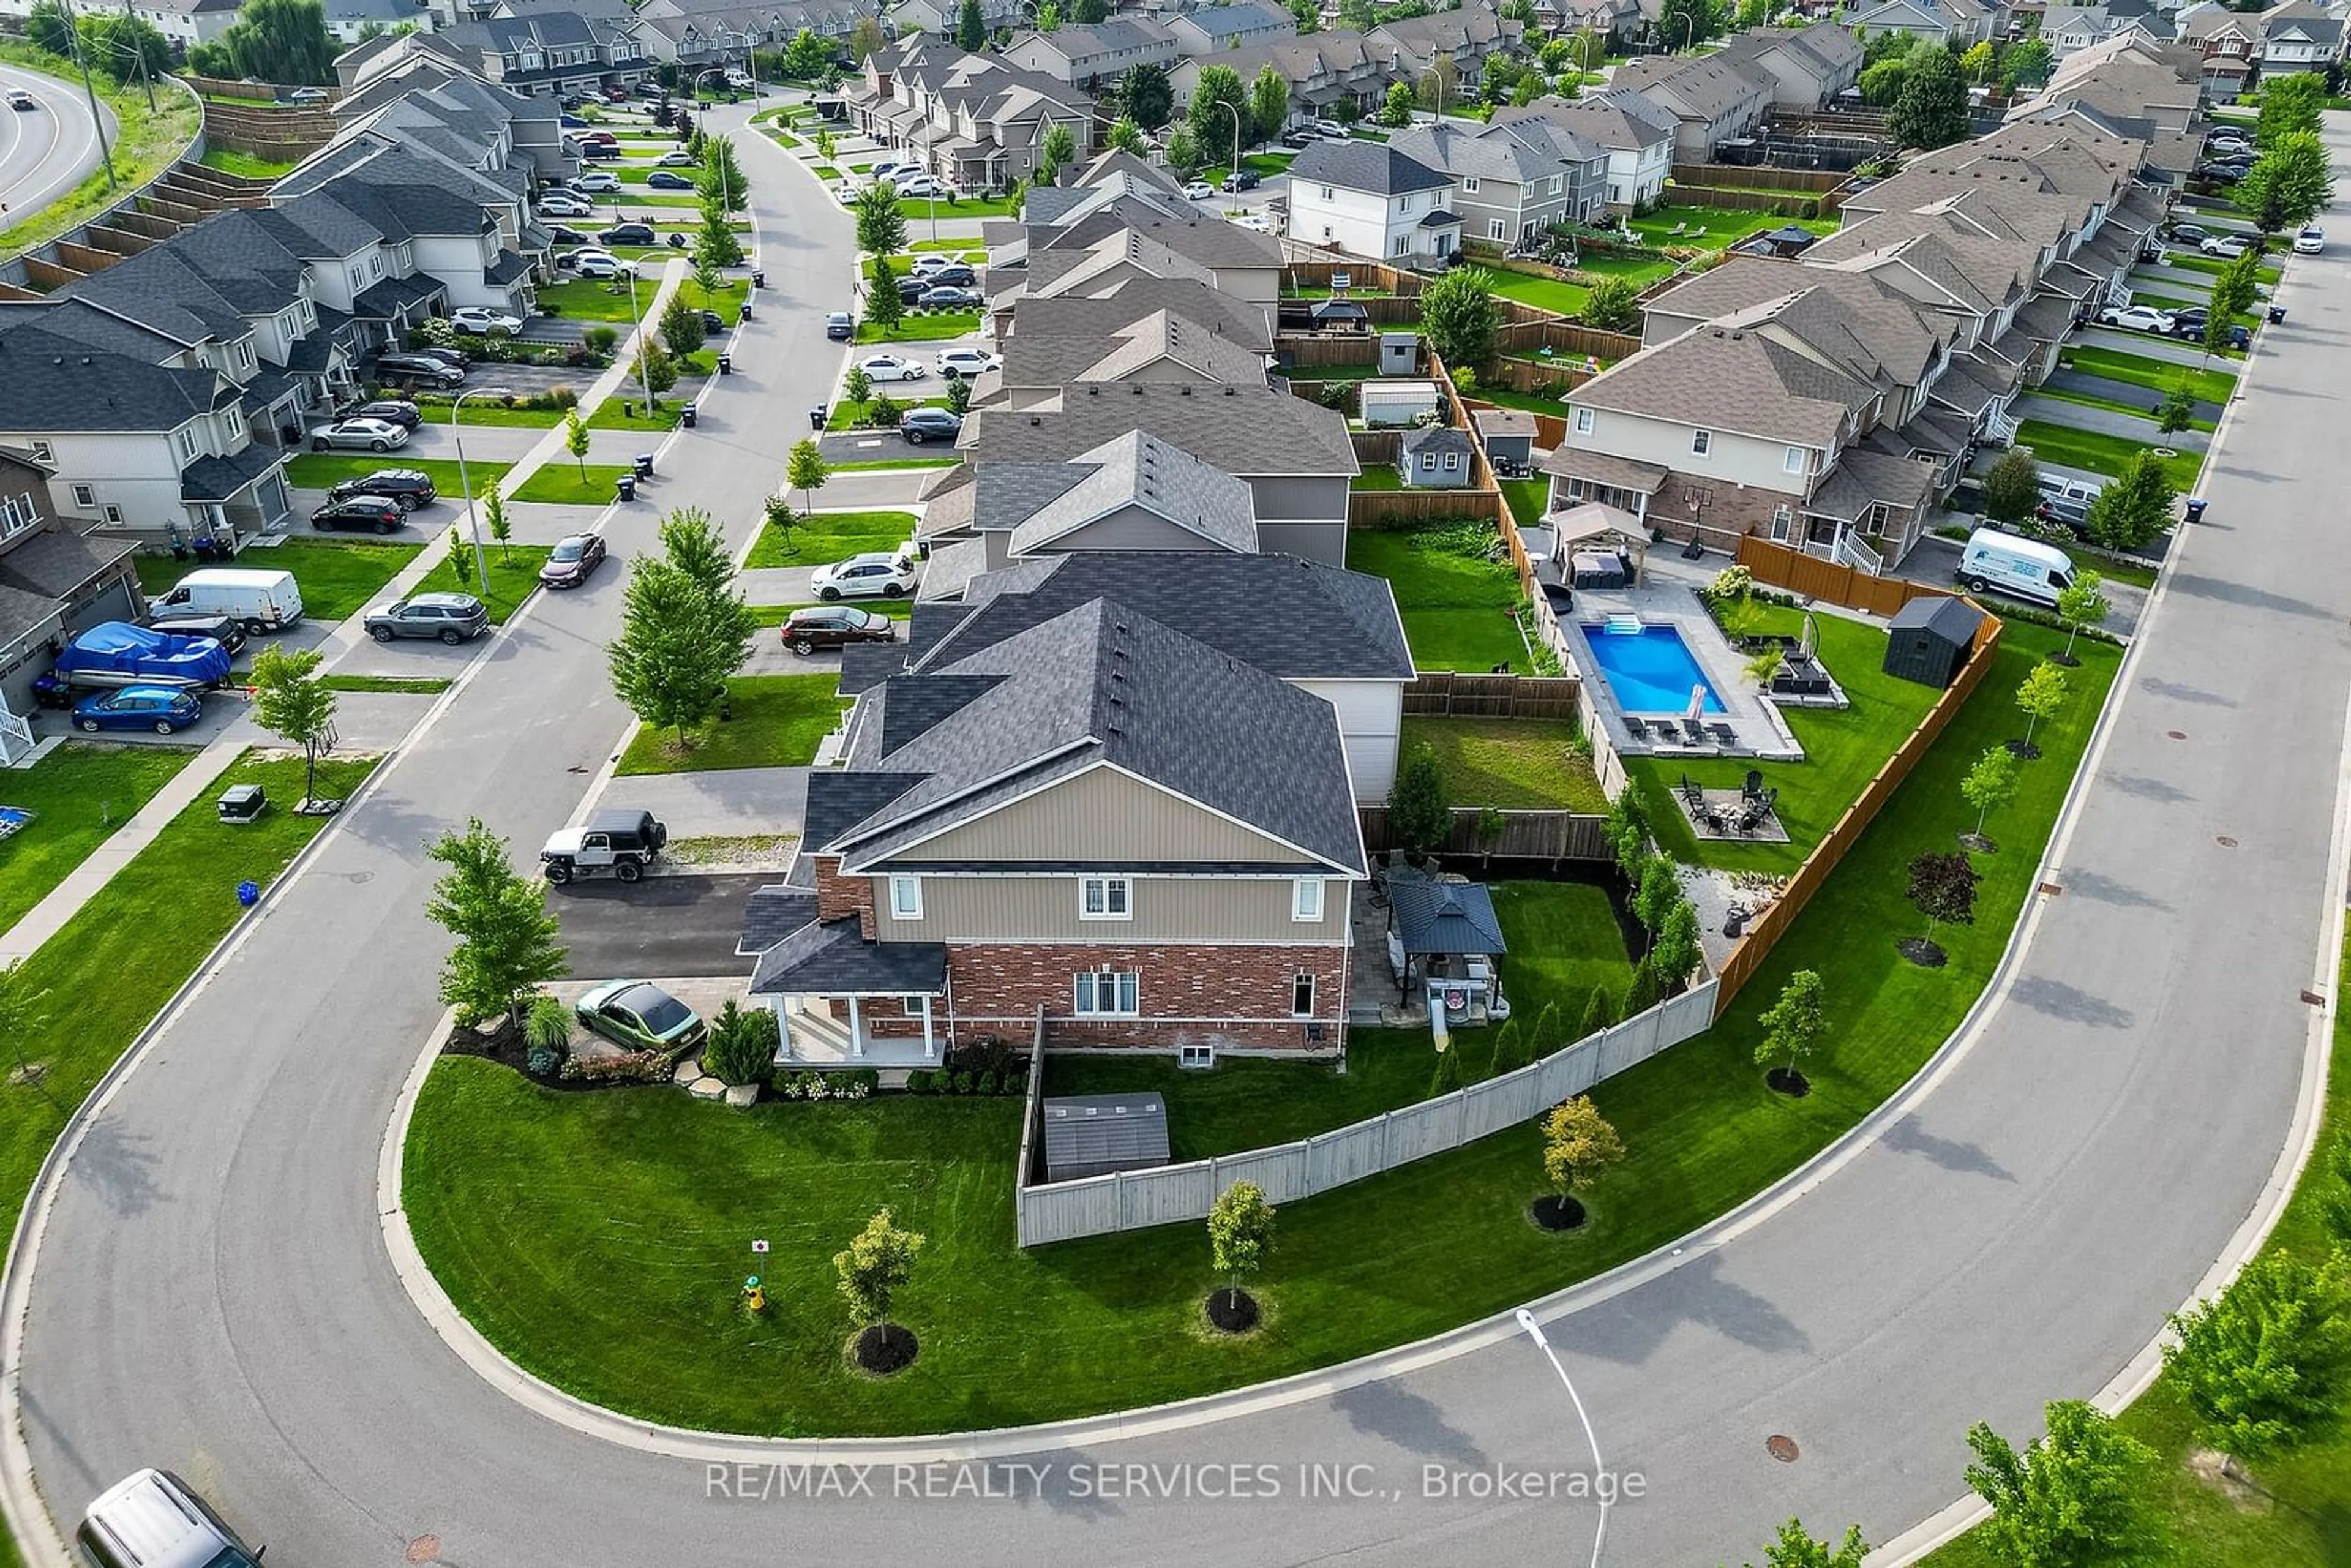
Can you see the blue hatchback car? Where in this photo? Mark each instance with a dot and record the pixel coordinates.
(160, 708)
(668, 179)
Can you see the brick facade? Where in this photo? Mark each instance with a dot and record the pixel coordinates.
(1227, 995)
(1731, 509)
(838, 896)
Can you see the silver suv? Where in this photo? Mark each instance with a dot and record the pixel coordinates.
(155, 1520)
(453, 618)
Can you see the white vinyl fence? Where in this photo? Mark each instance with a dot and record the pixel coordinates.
(1133, 1200)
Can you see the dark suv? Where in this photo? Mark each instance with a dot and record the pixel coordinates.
(453, 618)
(221, 629)
(359, 514)
(417, 369)
(835, 626)
(406, 488)
(391, 411)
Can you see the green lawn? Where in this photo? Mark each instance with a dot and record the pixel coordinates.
(2305, 1495)
(1642, 272)
(513, 570)
(105, 976)
(620, 411)
(319, 470)
(1722, 226)
(1543, 293)
(78, 794)
(244, 165)
(967, 252)
(1379, 476)
(641, 1315)
(595, 299)
(2145, 411)
(484, 411)
(398, 685)
(2098, 454)
(339, 577)
(777, 722)
(2213, 265)
(848, 414)
(1844, 748)
(1564, 938)
(1514, 763)
(921, 328)
(1528, 499)
(886, 463)
(919, 211)
(2155, 375)
(830, 537)
(1456, 603)
(1266, 164)
(566, 484)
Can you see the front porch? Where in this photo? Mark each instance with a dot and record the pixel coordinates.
(840, 998)
(858, 1031)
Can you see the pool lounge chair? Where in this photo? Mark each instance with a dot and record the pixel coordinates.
(1637, 728)
(1693, 732)
(1724, 735)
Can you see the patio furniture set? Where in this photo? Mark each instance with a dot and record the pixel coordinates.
(1681, 732)
(1755, 807)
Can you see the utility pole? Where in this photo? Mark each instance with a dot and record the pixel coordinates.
(146, 79)
(97, 116)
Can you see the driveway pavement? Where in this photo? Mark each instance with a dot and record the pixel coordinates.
(1936, 561)
(662, 925)
(717, 803)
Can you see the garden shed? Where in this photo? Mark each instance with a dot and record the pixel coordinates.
(1096, 1135)
(1389, 404)
(1510, 437)
(1929, 639)
(1437, 458)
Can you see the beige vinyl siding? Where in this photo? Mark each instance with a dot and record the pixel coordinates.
(1130, 527)
(1167, 909)
(1101, 817)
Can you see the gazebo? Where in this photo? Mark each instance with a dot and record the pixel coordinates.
(1448, 932)
(1593, 529)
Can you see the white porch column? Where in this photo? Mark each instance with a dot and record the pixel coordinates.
(783, 1030)
(930, 1042)
(856, 1031)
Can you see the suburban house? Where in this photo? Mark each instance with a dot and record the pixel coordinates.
(2301, 37)
(1123, 218)
(2070, 30)
(458, 230)
(184, 22)
(1214, 29)
(1464, 38)
(974, 120)
(1370, 200)
(1041, 362)
(1090, 54)
(1094, 318)
(1712, 100)
(1081, 823)
(1808, 66)
(1511, 181)
(940, 17)
(1294, 455)
(551, 52)
(429, 104)
(2230, 44)
(347, 19)
(1637, 136)
(1322, 69)
(1962, 22)
(54, 580)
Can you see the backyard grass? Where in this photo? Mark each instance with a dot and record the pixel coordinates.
(2098, 454)
(1513, 764)
(1379, 476)
(322, 470)
(2115, 406)
(619, 1282)
(105, 976)
(830, 536)
(1844, 748)
(1529, 500)
(78, 794)
(1564, 939)
(776, 722)
(1543, 293)
(399, 685)
(1722, 226)
(339, 577)
(2306, 1493)
(2155, 375)
(568, 484)
(513, 571)
(228, 160)
(1456, 602)
(921, 328)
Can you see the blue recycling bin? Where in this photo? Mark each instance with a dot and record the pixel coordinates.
(248, 894)
(2196, 505)
(626, 487)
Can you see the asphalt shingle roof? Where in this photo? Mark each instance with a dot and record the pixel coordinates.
(1245, 431)
(1368, 166)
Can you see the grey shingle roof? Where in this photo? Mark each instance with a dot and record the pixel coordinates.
(1094, 1134)
(772, 914)
(1139, 470)
(49, 382)
(1245, 431)
(1439, 439)
(1099, 315)
(1369, 166)
(220, 478)
(829, 958)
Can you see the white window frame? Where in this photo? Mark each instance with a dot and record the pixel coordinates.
(1087, 988)
(1306, 898)
(1452, 461)
(1701, 443)
(1302, 981)
(1469, 184)
(1326, 193)
(905, 897)
(83, 495)
(1496, 228)
(1122, 886)
(40, 450)
(1557, 182)
(110, 514)
(1792, 460)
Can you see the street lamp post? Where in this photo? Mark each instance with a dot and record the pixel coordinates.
(1600, 1482)
(466, 484)
(636, 317)
(1234, 110)
(1689, 29)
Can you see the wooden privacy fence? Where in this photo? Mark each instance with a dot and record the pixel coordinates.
(1773, 923)
(1136, 1200)
(1550, 429)
(1410, 508)
(1787, 203)
(1563, 337)
(1315, 351)
(1810, 577)
(1745, 177)
(1443, 692)
(1525, 835)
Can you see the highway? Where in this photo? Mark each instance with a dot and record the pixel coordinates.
(211, 1292)
(48, 151)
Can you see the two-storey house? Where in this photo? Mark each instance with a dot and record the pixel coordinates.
(1092, 55)
(1514, 179)
(1323, 69)
(1371, 200)
(1961, 23)
(975, 120)
(1636, 135)
(1464, 38)
(1712, 100)
(1809, 66)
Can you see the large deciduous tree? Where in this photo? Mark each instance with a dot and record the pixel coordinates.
(2133, 507)
(1216, 97)
(2288, 183)
(284, 41)
(1145, 96)
(2011, 490)
(1931, 111)
(1457, 314)
(1269, 104)
(2266, 1364)
(881, 223)
(291, 702)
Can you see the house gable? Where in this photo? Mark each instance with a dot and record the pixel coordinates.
(1099, 816)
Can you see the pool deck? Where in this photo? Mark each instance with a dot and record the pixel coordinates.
(1757, 729)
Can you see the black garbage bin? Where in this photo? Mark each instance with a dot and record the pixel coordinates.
(725, 364)
(625, 487)
(686, 416)
(2277, 314)
(747, 311)
(644, 464)
(817, 417)
(2196, 506)
(759, 279)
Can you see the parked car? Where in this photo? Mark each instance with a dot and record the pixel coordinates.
(152, 1519)
(396, 410)
(2223, 173)
(573, 561)
(864, 577)
(2188, 321)
(1330, 128)
(921, 425)
(1301, 139)
(1200, 191)
(359, 514)
(2136, 317)
(620, 840)
(21, 100)
(162, 709)
(884, 169)
(713, 323)
(954, 273)
(564, 233)
(572, 121)
(613, 94)
(599, 181)
(485, 322)
(417, 369)
(2187, 234)
(681, 158)
(453, 618)
(564, 204)
(365, 435)
(260, 599)
(600, 264)
(407, 488)
(891, 368)
(221, 629)
(641, 1016)
(925, 188)
(2025, 567)
(1244, 179)
(601, 152)
(117, 654)
(628, 233)
(928, 263)
(965, 361)
(948, 297)
(840, 326)
(2310, 241)
(2228, 247)
(668, 179)
(606, 137)
(456, 358)
(835, 626)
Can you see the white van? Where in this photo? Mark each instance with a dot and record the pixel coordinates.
(2068, 501)
(154, 1519)
(259, 600)
(2025, 567)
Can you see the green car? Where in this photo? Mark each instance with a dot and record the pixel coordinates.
(641, 1016)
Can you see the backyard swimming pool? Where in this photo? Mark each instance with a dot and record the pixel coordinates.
(1650, 670)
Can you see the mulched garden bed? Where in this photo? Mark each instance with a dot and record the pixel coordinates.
(1553, 1213)
(1925, 954)
(1789, 1081)
(884, 1348)
(1232, 1312)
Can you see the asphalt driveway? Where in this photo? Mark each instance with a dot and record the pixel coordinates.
(664, 925)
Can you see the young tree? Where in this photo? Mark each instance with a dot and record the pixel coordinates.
(807, 54)
(721, 176)
(1419, 816)
(24, 1014)
(2012, 486)
(1578, 1145)
(2290, 106)
(681, 326)
(1675, 951)
(1049, 16)
(1183, 150)
(1793, 1025)
(880, 225)
(2176, 412)
(2075, 1499)
(1240, 1236)
(654, 371)
(971, 28)
(292, 703)
(1439, 85)
(507, 938)
(1599, 1013)
(575, 439)
(1614, 305)
(1269, 104)
(1627, 831)
(494, 518)
(1125, 136)
(1309, 17)
(1659, 890)
(676, 648)
(1931, 111)
(1060, 147)
(2135, 507)
(2237, 286)
(778, 510)
(866, 39)
(1446, 1077)
(2080, 603)
(715, 244)
(884, 305)
(2287, 184)
(1145, 96)
(691, 543)
(959, 395)
(876, 1268)
(2335, 1196)
(1217, 95)
(1976, 63)
(1396, 111)
(1458, 313)
(1989, 784)
(807, 471)
(2042, 693)
(2266, 1364)
(1516, 1047)
(1795, 1548)
(1943, 889)
(742, 1045)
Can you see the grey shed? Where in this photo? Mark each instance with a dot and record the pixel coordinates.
(1094, 1134)
(1929, 639)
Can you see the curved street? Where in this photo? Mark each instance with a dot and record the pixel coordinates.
(212, 1293)
(45, 152)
